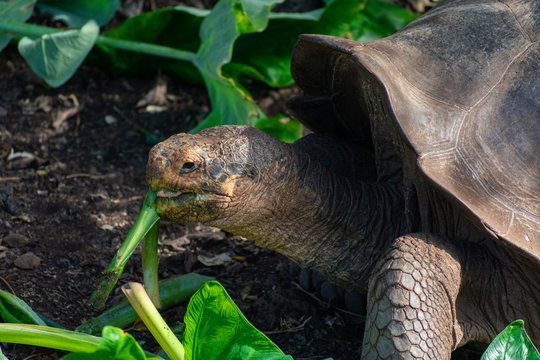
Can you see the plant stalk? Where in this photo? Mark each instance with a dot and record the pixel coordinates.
(150, 261)
(154, 322)
(148, 217)
(44, 336)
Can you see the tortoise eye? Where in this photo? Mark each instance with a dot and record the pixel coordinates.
(188, 167)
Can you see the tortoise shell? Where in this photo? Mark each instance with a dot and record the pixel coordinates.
(461, 85)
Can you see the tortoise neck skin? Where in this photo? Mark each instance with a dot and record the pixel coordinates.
(250, 184)
(322, 221)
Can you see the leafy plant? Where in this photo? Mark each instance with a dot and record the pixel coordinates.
(215, 329)
(512, 343)
(237, 39)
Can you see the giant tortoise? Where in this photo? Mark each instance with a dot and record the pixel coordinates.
(421, 178)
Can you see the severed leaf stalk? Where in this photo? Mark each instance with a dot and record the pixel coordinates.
(148, 217)
(153, 321)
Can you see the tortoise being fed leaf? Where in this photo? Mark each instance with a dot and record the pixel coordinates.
(421, 179)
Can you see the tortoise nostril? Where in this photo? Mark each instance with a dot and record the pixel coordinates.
(187, 167)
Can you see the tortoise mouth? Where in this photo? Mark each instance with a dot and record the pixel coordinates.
(167, 199)
(161, 193)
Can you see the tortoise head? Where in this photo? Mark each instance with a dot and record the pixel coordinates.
(212, 175)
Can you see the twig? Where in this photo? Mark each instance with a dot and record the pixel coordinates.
(322, 302)
(289, 330)
(10, 178)
(32, 356)
(7, 284)
(91, 176)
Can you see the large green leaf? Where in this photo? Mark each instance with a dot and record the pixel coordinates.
(512, 343)
(219, 31)
(217, 329)
(2, 356)
(17, 10)
(266, 56)
(76, 13)
(56, 57)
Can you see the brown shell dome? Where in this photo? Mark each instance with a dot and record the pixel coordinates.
(462, 83)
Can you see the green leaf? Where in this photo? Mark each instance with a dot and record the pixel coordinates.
(266, 56)
(217, 329)
(2, 356)
(219, 31)
(76, 13)
(512, 343)
(56, 57)
(177, 28)
(15, 310)
(115, 345)
(17, 10)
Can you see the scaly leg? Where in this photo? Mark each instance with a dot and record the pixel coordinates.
(412, 301)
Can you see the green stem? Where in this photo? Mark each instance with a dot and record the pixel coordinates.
(146, 48)
(147, 218)
(153, 321)
(34, 31)
(25, 29)
(48, 337)
(150, 261)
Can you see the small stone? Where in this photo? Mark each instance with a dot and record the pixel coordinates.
(13, 206)
(63, 263)
(27, 261)
(110, 120)
(16, 240)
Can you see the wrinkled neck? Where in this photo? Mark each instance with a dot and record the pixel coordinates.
(320, 220)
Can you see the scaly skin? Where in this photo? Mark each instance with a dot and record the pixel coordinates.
(428, 294)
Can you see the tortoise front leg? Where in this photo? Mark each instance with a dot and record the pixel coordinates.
(412, 294)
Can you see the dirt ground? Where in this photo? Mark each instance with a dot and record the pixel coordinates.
(72, 181)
